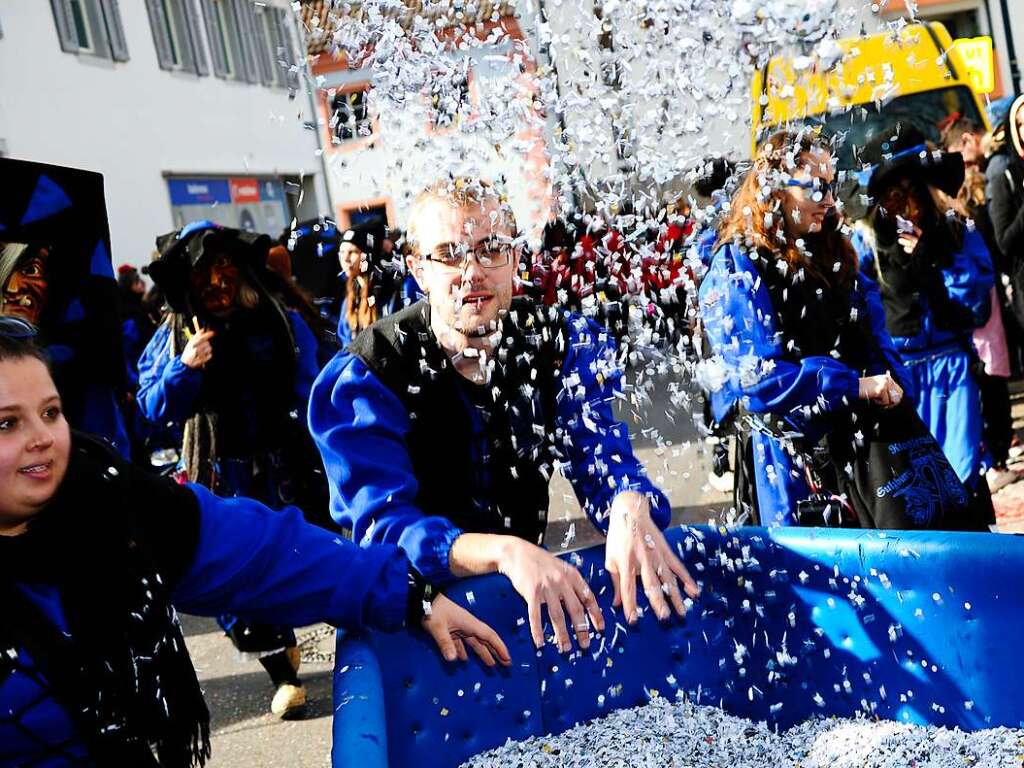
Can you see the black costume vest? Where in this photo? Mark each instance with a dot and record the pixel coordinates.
(502, 486)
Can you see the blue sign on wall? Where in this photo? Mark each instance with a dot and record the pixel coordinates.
(199, 191)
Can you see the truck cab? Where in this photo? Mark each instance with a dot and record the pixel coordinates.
(864, 86)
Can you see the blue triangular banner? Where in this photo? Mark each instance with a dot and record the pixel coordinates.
(100, 265)
(75, 312)
(47, 199)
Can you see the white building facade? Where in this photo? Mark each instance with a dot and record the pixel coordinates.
(187, 107)
(379, 156)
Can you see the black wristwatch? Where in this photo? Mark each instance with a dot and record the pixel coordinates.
(421, 595)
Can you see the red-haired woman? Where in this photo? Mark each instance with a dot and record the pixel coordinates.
(801, 356)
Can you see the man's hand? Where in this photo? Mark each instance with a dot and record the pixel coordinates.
(453, 628)
(543, 579)
(198, 351)
(636, 547)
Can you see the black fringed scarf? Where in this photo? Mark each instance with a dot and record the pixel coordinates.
(111, 541)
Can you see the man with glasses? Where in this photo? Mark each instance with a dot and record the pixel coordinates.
(441, 425)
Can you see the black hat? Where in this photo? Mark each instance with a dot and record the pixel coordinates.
(368, 236)
(65, 210)
(184, 250)
(889, 158)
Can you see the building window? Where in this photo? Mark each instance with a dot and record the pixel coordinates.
(224, 30)
(175, 25)
(450, 98)
(274, 44)
(171, 31)
(267, 33)
(225, 25)
(91, 27)
(81, 26)
(350, 116)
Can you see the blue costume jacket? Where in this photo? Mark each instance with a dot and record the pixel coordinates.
(168, 388)
(749, 368)
(246, 563)
(939, 360)
(360, 426)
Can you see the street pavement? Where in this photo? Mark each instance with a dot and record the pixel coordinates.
(245, 735)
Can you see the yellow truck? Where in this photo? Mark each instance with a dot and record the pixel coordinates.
(865, 85)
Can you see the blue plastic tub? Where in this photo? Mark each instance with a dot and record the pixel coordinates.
(792, 624)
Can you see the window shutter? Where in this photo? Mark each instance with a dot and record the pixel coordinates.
(182, 39)
(94, 18)
(213, 36)
(65, 25)
(285, 56)
(195, 39)
(246, 45)
(264, 55)
(115, 29)
(158, 23)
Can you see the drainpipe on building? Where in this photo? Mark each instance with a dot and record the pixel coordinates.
(310, 85)
(1011, 49)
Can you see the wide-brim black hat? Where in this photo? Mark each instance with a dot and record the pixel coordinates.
(185, 250)
(906, 155)
(368, 236)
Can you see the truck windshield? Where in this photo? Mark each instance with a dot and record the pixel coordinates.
(860, 124)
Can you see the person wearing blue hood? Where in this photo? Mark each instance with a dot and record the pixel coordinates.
(936, 276)
(231, 367)
(96, 556)
(801, 361)
(441, 425)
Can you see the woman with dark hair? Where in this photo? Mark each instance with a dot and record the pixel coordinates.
(232, 366)
(801, 357)
(367, 258)
(936, 278)
(96, 555)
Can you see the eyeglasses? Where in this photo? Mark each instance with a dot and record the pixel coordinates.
(819, 189)
(16, 328)
(489, 255)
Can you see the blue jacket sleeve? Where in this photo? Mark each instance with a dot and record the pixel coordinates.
(601, 462)
(167, 387)
(748, 356)
(275, 567)
(306, 366)
(359, 425)
(970, 279)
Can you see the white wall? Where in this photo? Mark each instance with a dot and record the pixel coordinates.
(134, 122)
